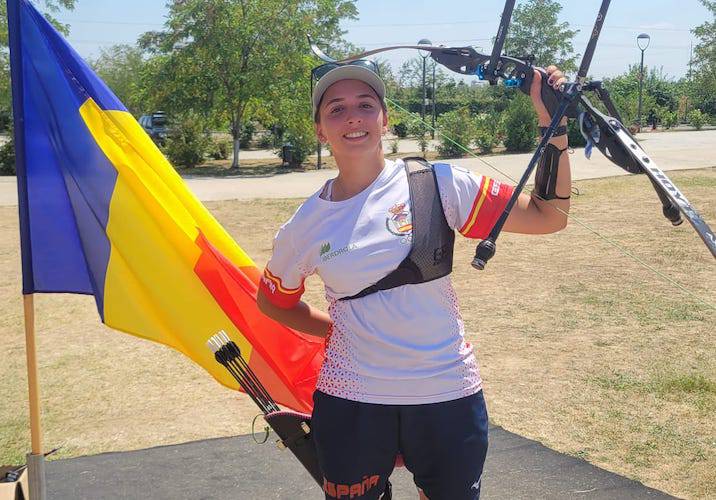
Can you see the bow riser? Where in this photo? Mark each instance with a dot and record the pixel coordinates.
(514, 72)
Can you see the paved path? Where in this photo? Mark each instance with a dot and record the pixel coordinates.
(237, 468)
(670, 150)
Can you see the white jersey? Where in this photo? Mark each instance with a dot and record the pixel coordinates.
(400, 346)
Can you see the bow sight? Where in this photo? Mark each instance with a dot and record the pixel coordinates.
(606, 132)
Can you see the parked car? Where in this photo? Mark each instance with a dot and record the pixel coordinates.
(155, 125)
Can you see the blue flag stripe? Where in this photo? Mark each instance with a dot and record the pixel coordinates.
(85, 83)
(15, 42)
(69, 182)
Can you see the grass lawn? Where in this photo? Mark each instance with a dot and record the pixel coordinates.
(580, 347)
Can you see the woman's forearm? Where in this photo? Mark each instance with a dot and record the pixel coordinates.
(301, 317)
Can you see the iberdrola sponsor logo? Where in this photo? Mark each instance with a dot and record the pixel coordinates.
(399, 222)
(327, 254)
(325, 248)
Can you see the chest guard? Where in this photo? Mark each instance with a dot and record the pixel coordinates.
(432, 242)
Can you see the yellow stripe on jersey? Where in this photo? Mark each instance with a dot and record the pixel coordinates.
(479, 200)
(277, 281)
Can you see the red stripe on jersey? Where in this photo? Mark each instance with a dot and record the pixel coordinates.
(277, 294)
(489, 204)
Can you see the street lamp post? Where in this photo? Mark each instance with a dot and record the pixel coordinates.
(644, 39)
(424, 54)
(432, 103)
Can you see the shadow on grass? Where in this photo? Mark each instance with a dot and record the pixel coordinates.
(248, 168)
(271, 167)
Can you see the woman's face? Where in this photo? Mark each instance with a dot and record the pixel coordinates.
(351, 117)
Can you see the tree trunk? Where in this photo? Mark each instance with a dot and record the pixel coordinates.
(236, 136)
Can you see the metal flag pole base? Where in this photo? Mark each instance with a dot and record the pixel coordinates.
(36, 476)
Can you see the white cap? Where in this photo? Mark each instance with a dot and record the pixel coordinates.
(346, 72)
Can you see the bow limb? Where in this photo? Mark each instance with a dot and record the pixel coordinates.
(318, 52)
(428, 48)
(613, 140)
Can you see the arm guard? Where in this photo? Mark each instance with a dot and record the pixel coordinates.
(546, 174)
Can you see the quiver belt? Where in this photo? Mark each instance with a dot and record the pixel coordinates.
(431, 249)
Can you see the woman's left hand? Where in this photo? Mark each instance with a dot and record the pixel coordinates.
(555, 79)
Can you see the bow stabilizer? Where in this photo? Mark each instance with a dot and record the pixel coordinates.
(491, 72)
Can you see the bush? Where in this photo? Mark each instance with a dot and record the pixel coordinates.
(7, 158)
(520, 125)
(221, 148)
(304, 144)
(277, 135)
(266, 141)
(456, 131)
(394, 146)
(423, 143)
(487, 133)
(697, 118)
(399, 121)
(574, 135)
(5, 119)
(247, 134)
(669, 118)
(415, 127)
(188, 141)
(400, 129)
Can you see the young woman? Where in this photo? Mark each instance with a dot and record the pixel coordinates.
(398, 376)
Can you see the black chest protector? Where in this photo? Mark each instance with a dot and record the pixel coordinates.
(432, 243)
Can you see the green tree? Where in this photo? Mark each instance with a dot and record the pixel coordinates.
(659, 93)
(535, 30)
(226, 59)
(703, 71)
(408, 88)
(121, 66)
(289, 106)
(50, 7)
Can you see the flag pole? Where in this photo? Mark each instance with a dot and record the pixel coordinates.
(35, 459)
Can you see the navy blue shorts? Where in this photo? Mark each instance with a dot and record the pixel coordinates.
(443, 445)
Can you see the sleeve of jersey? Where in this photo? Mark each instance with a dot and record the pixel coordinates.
(282, 281)
(472, 203)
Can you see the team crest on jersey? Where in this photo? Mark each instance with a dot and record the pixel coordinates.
(399, 221)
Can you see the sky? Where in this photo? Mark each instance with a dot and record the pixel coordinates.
(101, 23)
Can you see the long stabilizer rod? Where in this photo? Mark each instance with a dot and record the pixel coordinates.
(592, 44)
(491, 75)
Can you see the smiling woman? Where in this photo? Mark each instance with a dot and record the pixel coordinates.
(398, 379)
